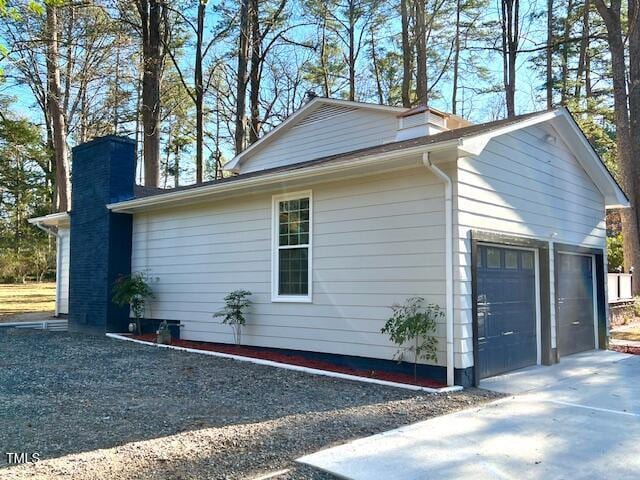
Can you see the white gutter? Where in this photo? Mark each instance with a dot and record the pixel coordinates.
(448, 212)
(265, 179)
(52, 218)
(51, 232)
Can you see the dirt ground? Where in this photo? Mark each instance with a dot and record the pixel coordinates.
(631, 331)
(26, 302)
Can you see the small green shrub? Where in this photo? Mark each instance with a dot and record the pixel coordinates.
(412, 327)
(132, 290)
(233, 313)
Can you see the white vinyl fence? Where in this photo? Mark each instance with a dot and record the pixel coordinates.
(619, 287)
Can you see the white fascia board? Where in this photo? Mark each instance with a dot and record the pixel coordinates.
(129, 206)
(589, 159)
(474, 145)
(312, 105)
(54, 219)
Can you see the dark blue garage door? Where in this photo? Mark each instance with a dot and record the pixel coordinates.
(506, 309)
(575, 303)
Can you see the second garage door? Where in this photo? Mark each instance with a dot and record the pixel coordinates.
(506, 307)
(575, 303)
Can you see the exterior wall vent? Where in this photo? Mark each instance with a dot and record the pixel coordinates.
(325, 113)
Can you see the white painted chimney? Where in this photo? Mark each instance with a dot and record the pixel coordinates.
(419, 122)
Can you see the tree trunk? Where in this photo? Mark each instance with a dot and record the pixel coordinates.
(326, 91)
(407, 54)
(625, 150)
(376, 68)
(549, 54)
(58, 123)
(154, 28)
(241, 85)
(199, 93)
(564, 94)
(176, 166)
(421, 53)
(584, 46)
(139, 164)
(352, 51)
(116, 84)
(510, 23)
(456, 61)
(84, 114)
(255, 71)
(634, 95)
(66, 95)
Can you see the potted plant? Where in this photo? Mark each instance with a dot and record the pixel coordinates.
(412, 327)
(164, 334)
(132, 290)
(233, 312)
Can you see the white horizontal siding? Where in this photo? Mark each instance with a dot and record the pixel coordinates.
(329, 135)
(377, 240)
(522, 185)
(62, 276)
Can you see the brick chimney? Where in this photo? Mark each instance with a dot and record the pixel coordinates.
(100, 241)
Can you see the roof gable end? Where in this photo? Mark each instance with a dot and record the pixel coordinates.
(570, 133)
(316, 110)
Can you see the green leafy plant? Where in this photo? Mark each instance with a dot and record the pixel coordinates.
(615, 253)
(132, 290)
(412, 327)
(233, 313)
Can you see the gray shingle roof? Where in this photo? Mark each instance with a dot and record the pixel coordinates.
(448, 135)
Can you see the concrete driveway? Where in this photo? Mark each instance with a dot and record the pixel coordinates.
(576, 420)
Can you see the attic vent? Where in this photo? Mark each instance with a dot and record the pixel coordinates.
(412, 121)
(325, 113)
(437, 120)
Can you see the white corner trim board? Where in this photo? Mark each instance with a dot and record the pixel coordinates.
(287, 366)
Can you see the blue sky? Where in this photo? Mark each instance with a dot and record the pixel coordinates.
(484, 107)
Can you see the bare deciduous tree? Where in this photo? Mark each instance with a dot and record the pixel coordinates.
(55, 110)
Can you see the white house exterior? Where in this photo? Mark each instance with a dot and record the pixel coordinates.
(58, 226)
(348, 208)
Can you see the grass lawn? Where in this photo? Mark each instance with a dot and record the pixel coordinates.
(16, 300)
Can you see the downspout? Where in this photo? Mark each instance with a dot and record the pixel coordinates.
(448, 212)
(54, 233)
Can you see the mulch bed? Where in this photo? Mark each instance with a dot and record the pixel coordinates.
(299, 360)
(625, 349)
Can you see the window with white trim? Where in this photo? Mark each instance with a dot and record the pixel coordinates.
(291, 261)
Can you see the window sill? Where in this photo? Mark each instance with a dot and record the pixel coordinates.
(291, 299)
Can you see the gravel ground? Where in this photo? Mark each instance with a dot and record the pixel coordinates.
(95, 408)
